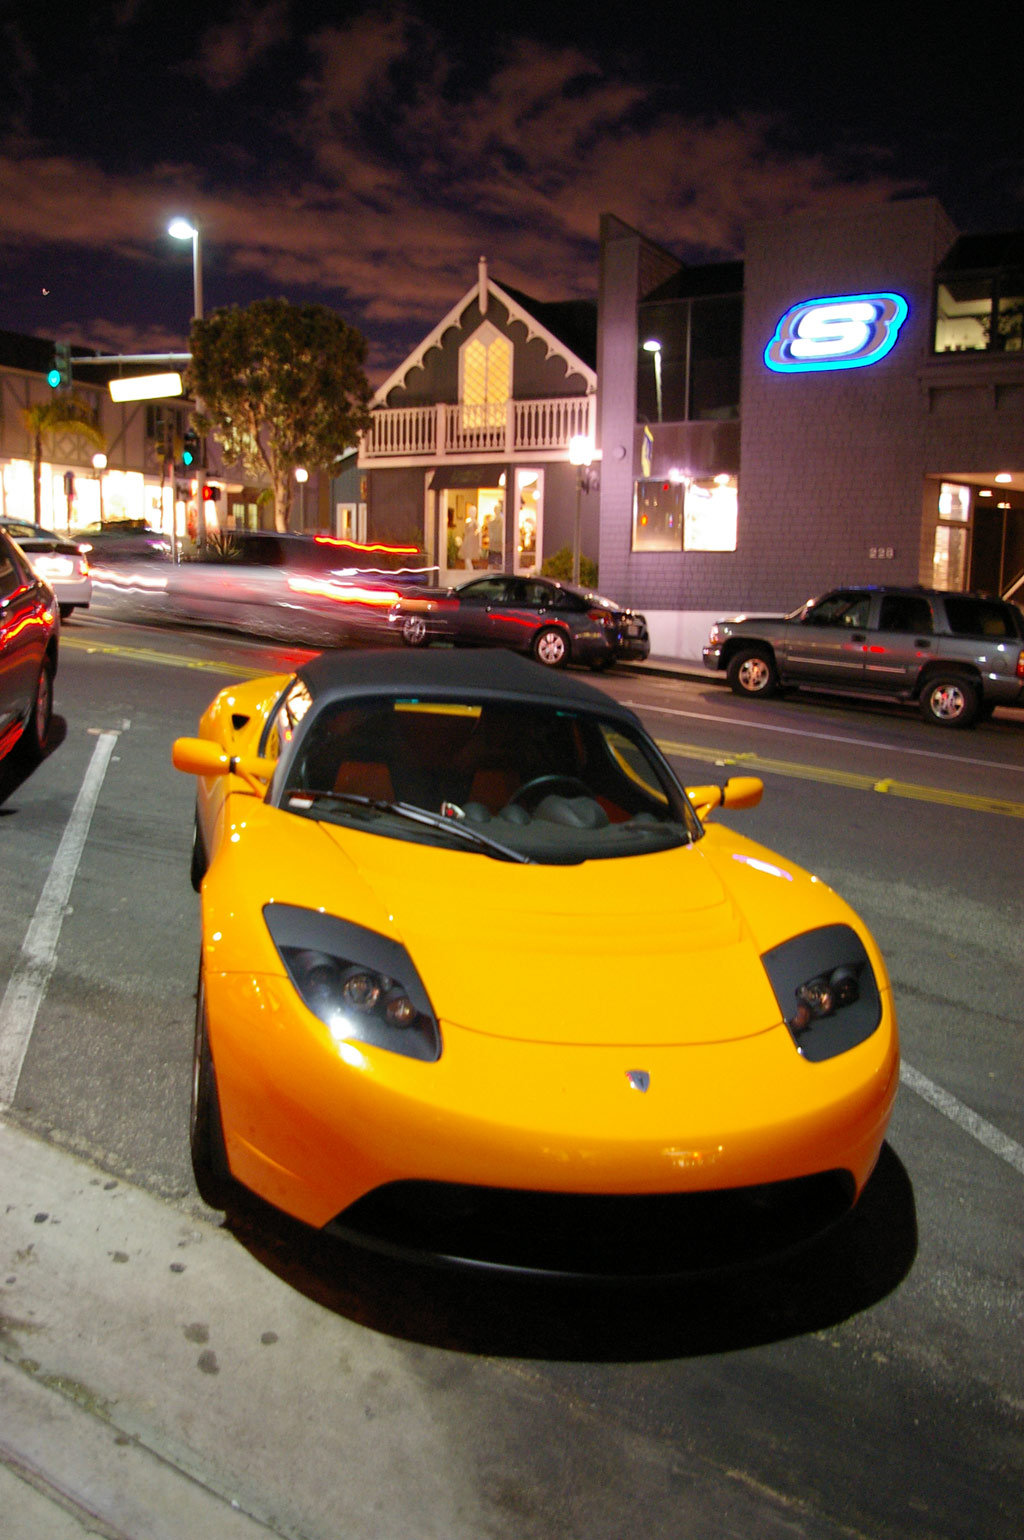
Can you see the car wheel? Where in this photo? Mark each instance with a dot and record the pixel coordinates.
(601, 665)
(66, 611)
(414, 631)
(205, 1130)
(753, 672)
(551, 647)
(949, 700)
(33, 740)
(197, 869)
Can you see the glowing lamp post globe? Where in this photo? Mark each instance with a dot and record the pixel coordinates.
(182, 230)
(302, 476)
(581, 454)
(652, 345)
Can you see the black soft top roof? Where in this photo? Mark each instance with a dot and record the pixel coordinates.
(486, 673)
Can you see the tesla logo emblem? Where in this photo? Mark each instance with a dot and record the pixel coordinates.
(639, 1079)
(845, 331)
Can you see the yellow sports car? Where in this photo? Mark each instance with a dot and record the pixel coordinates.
(468, 944)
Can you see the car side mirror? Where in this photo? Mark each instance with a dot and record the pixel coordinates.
(201, 756)
(738, 793)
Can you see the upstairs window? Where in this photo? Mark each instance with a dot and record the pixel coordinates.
(485, 378)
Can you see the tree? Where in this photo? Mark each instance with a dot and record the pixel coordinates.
(45, 419)
(279, 385)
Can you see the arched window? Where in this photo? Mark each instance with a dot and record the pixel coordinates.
(485, 378)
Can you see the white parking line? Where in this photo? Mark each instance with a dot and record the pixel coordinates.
(34, 968)
(986, 1133)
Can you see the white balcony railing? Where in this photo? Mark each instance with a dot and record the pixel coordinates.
(442, 431)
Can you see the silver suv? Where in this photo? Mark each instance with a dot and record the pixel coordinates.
(957, 655)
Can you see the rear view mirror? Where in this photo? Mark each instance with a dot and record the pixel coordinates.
(739, 792)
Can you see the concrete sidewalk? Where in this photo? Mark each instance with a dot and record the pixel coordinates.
(158, 1382)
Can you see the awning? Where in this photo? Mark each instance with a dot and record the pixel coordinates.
(466, 476)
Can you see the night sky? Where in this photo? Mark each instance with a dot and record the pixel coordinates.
(365, 156)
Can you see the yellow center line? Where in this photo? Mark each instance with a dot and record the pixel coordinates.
(169, 659)
(886, 785)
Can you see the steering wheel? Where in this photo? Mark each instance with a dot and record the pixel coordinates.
(549, 785)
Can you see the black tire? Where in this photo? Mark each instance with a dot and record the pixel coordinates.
(601, 665)
(551, 647)
(66, 611)
(950, 700)
(197, 868)
(752, 671)
(414, 631)
(32, 744)
(205, 1129)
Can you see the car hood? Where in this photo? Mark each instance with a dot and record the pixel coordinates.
(644, 950)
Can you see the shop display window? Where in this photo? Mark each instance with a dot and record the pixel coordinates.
(658, 516)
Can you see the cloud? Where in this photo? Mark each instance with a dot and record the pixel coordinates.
(398, 164)
(230, 50)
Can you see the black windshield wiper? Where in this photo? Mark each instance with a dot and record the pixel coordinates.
(446, 825)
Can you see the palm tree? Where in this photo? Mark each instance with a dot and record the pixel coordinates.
(60, 414)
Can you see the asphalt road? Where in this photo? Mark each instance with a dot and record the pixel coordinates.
(871, 1385)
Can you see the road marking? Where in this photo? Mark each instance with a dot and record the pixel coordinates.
(34, 968)
(801, 732)
(854, 782)
(169, 659)
(985, 1133)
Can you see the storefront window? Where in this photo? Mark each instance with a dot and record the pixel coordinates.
(949, 561)
(658, 516)
(710, 520)
(527, 519)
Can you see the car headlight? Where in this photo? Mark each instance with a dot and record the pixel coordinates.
(363, 986)
(826, 989)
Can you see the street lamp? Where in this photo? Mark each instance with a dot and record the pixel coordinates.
(182, 230)
(99, 465)
(302, 476)
(581, 454)
(652, 345)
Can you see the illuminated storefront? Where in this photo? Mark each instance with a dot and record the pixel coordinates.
(844, 405)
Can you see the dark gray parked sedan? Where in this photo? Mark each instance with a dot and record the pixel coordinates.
(957, 655)
(553, 622)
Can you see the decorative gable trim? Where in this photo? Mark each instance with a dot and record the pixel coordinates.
(483, 288)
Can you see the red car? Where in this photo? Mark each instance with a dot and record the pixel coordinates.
(29, 637)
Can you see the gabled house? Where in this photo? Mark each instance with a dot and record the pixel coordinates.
(468, 454)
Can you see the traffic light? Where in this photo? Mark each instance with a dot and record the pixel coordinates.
(190, 450)
(60, 374)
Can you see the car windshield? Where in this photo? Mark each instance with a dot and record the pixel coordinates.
(510, 779)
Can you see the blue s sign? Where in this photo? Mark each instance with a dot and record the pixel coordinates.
(845, 331)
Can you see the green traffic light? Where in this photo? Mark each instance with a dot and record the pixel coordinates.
(53, 378)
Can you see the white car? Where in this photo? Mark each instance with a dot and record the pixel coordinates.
(60, 562)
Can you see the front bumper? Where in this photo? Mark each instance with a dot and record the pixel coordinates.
(313, 1125)
(712, 656)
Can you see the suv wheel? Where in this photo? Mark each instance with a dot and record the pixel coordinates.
(950, 700)
(752, 671)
